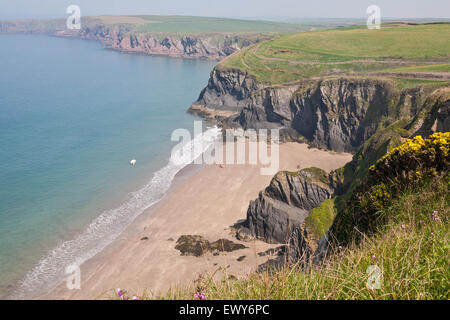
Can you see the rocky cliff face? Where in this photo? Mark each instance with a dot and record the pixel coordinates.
(437, 117)
(122, 37)
(338, 114)
(279, 213)
(194, 46)
(228, 91)
(364, 116)
(284, 205)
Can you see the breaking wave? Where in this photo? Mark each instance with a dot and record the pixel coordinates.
(50, 270)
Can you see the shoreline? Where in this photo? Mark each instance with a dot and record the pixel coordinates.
(203, 200)
(110, 47)
(105, 228)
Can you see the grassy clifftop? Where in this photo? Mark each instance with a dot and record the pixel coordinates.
(186, 24)
(393, 51)
(392, 216)
(164, 25)
(392, 207)
(411, 252)
(182, 36)
(405, 201)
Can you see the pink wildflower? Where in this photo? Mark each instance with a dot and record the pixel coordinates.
(135, 298)
(436, 216)
(403, 226)
(121, 294)
(199, 296)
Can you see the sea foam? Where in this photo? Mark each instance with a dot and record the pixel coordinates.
(50, 270)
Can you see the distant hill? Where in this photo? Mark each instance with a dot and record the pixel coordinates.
(190, 25)
(184, 36)
(400, 49)
(383, 95)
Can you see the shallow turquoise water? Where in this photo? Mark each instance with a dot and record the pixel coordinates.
(72, 115)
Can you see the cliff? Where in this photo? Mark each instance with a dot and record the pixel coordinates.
(338, 114)
(284, 205)
(127, 37)
(310, 213)
(386, 209)
(409, 248)
(208, 46)
(365, 116)
(282, 214)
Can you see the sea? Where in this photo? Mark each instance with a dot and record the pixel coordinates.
(72, 116)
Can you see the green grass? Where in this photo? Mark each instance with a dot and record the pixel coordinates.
(298, 56)
(321, 218)
(187, 24)
(385, 139)
(409, 244)
(317, 174)
(411, 250)
(410, 42)
(402, 83)
(427, 68)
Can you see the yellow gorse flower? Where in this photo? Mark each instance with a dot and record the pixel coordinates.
(439, 141)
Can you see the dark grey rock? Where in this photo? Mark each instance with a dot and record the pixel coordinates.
(195, 245)
(336, 114)
(227, 91)
(192, 245)
(244, 234)
(284, 205)
(225, 245)
(273, 251)
(298, 251)
(437, 120)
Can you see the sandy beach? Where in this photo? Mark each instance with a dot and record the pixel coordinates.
(204, 200)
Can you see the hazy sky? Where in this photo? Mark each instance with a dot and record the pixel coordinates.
(230, 8)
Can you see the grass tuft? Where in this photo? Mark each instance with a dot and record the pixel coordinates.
(411, 251)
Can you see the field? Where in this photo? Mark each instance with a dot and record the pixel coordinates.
(166, 25)
(122, 19)
(426, 68)
(186, 24)
(413, 49)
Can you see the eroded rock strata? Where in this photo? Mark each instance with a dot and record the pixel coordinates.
(124, 37)
(188, 46)
(338, 114)
(365, 116)
(284, 204)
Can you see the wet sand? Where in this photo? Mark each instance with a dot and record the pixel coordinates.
(204, 200)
